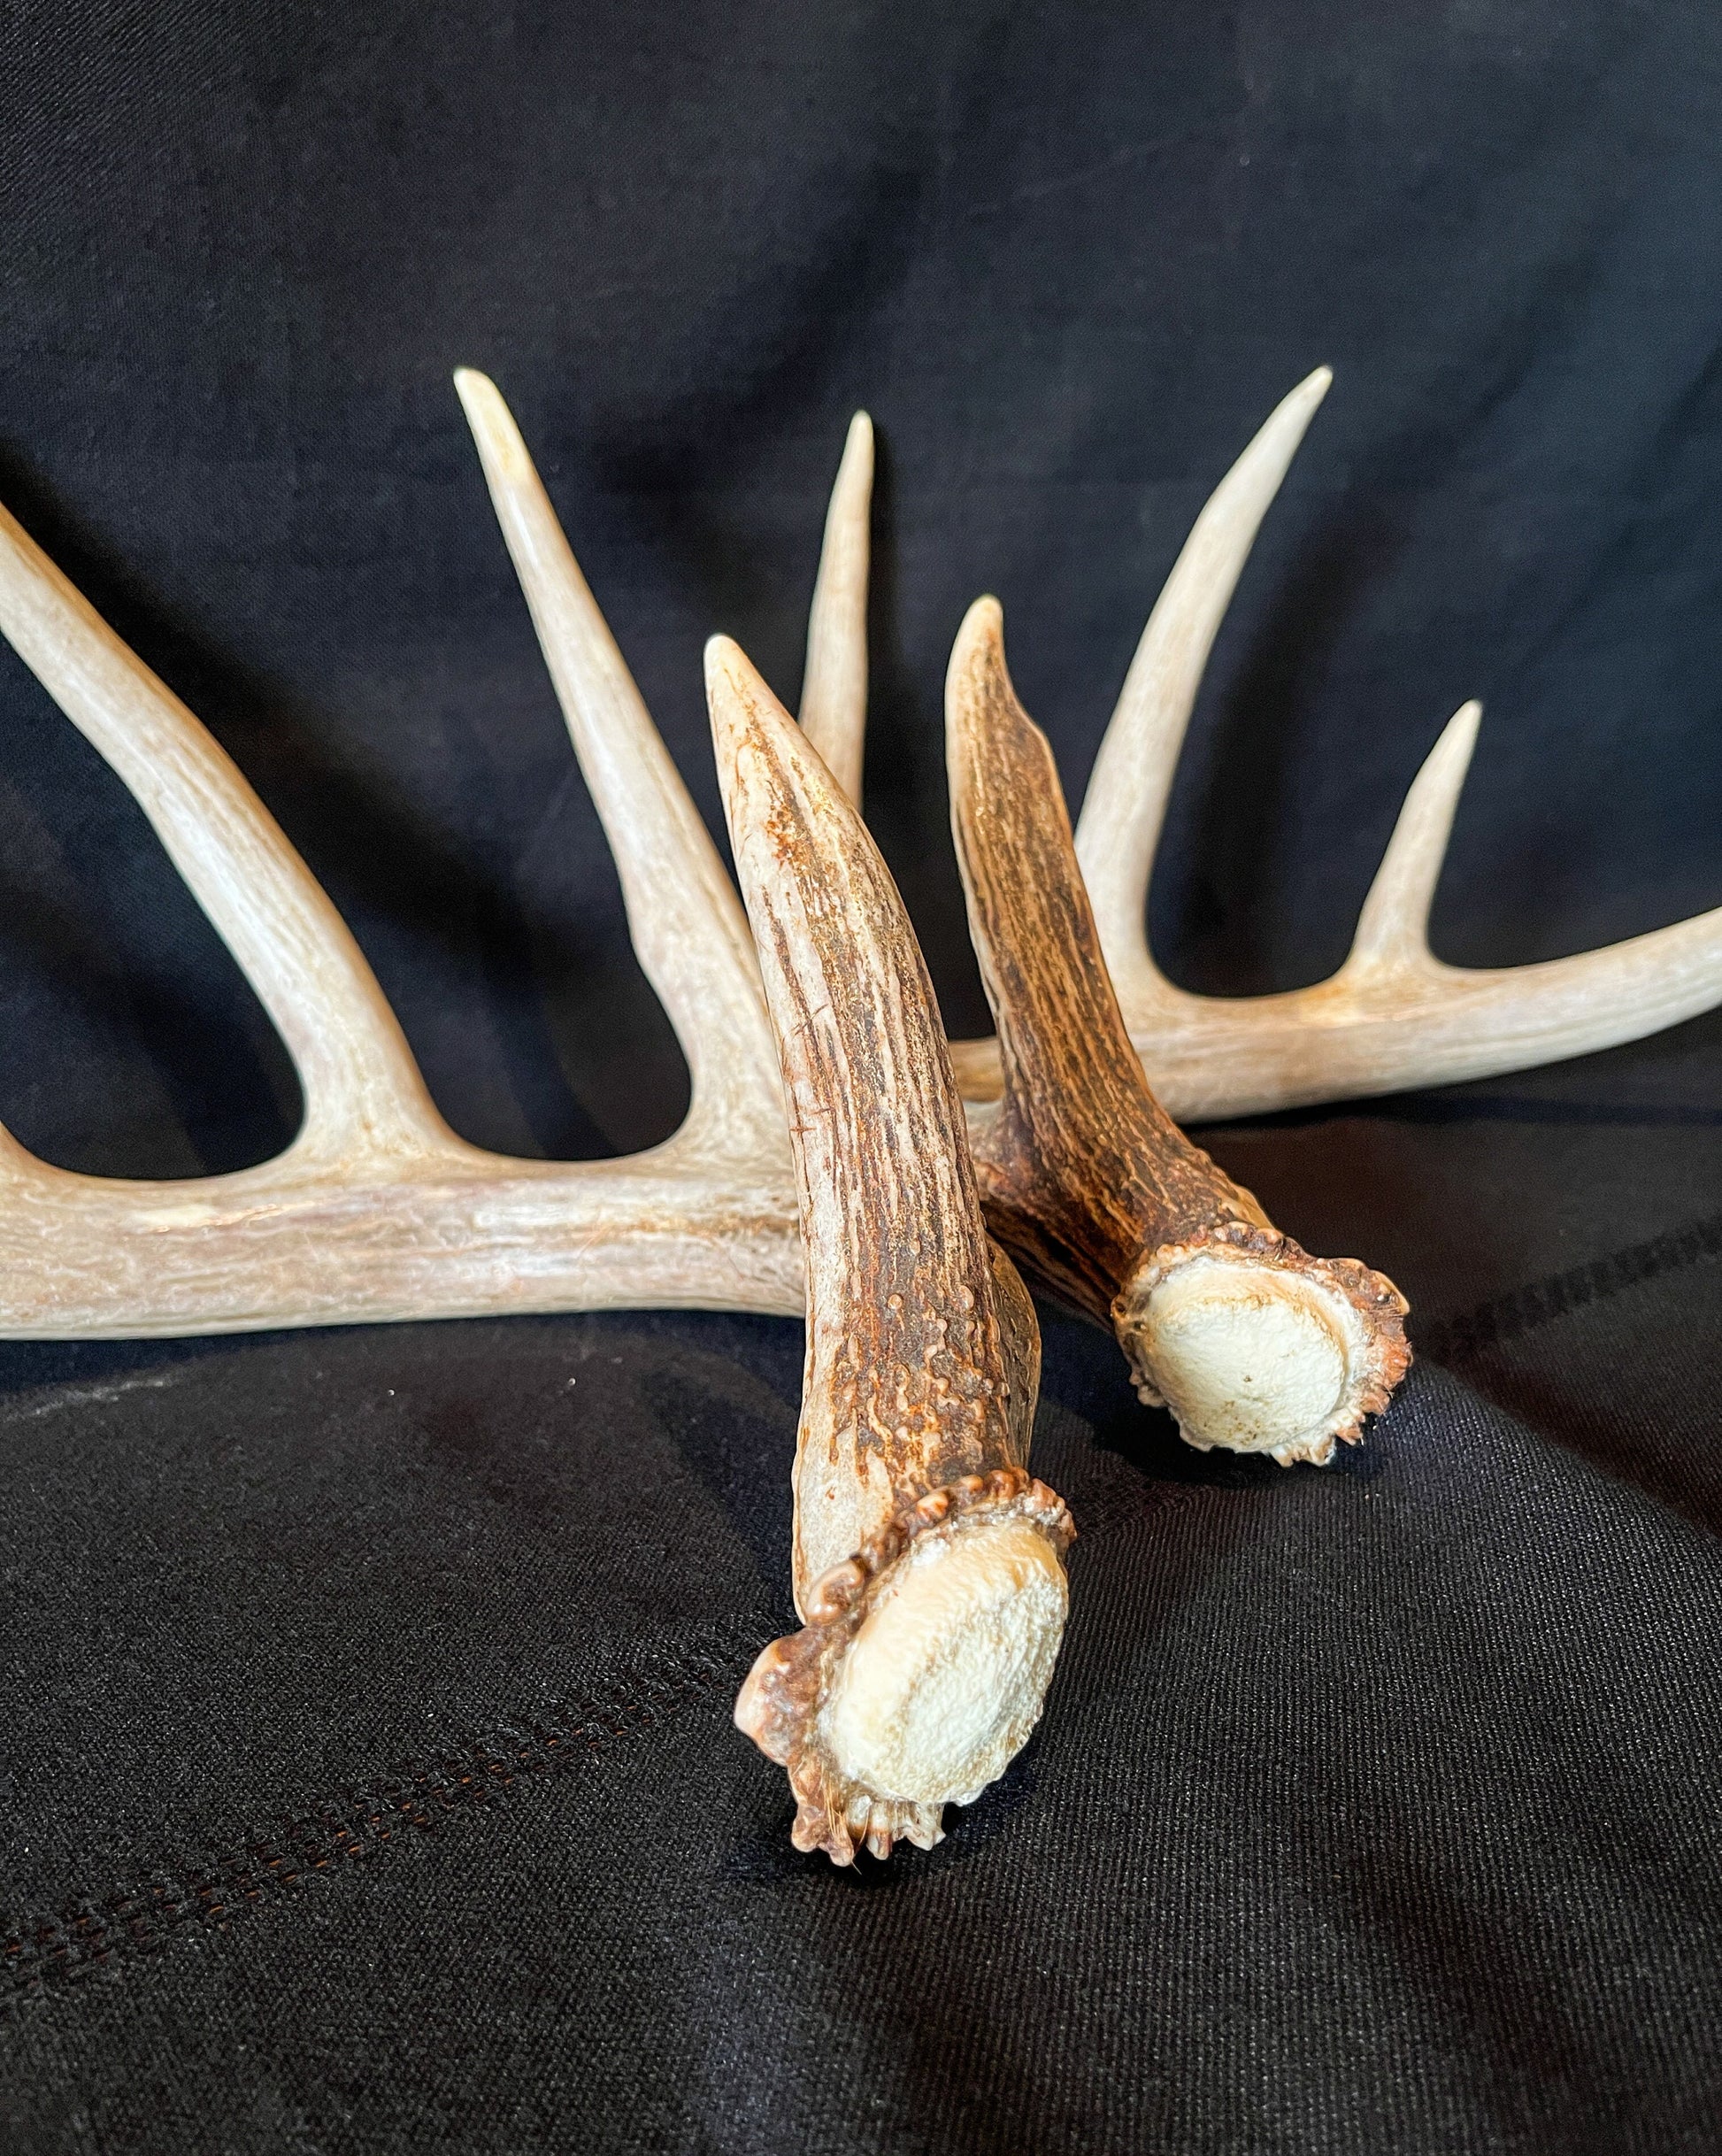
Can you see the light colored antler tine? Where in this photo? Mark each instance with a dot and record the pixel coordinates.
(833, 696)
(1125, 804)
(362, 1088)
(1396, 1017)
(1392, 928)
(685, 922)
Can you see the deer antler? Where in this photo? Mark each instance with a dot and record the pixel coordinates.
(1253, 1344)
(378, 1210)
(1393, 1016)
(928, 1565)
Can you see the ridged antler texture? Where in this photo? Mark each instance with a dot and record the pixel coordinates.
(1254, 1344)
(927, 1564)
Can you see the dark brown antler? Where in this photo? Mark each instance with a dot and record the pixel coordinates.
(1252, 1343)
(927, 1564)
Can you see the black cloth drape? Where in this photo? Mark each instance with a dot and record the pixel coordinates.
(366, 1780)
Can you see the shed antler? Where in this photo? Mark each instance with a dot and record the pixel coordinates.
(927, 1564)
(1393, 1016)
(1252, 1343)
(379, 1211)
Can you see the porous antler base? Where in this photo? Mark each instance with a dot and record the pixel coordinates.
(922, 1667)
(1256, 1346)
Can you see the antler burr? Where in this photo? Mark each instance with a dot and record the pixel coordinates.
(927, 1563)
(1251, 1343)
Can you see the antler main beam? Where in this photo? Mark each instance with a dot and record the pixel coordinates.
(378, 1210)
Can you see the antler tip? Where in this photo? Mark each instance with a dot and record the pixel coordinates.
(726, 664)
(498, 438)
(475, 389)
(976, 674)
(738, 700)
(984, 622)
(1448, 761)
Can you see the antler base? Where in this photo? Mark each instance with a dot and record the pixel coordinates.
(923, 1667)
(1256, 1346)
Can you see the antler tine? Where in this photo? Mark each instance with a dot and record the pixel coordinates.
(833, 696)
(1125, 804)
(378, 1210)
(928, 1565)
(1395, 1016)
(685, 919)
(363, 1093)
(1393, 929)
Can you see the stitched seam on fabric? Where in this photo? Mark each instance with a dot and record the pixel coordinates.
(1504, 1318)
(361, 1821)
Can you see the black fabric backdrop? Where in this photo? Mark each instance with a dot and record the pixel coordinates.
(366, 1780)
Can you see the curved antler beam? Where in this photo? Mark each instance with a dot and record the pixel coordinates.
(1255, 1345)
(378, 1210)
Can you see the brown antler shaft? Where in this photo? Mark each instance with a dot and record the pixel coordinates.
(1253, 1344)
(927, 1564)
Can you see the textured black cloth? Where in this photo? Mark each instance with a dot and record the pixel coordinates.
(366, 1779)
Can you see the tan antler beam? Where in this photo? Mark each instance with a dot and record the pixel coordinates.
(378, 1210)
(927, 1564)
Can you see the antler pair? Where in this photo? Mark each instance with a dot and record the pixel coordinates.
(930, 1641)
(927, 1564)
